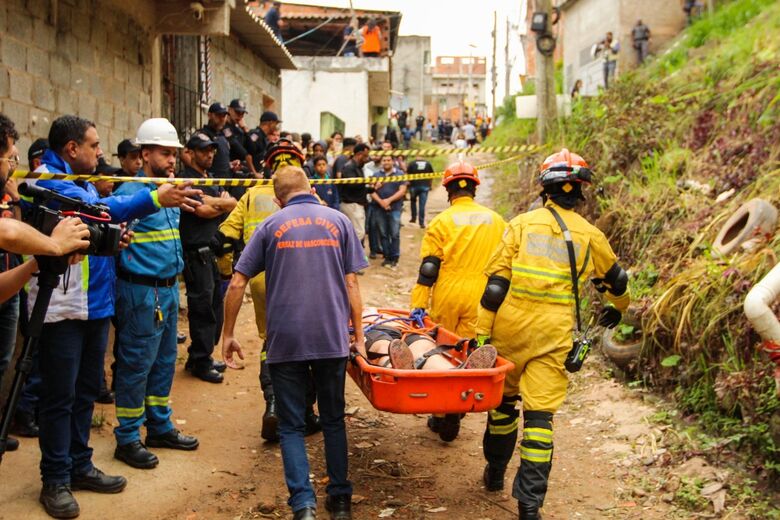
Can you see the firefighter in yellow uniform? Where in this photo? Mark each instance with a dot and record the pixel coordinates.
(454, 252)
(527, 313)
(252, 209)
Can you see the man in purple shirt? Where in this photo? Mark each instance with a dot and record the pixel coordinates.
(310, 254)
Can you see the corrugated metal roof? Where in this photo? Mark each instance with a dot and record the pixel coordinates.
(256, 34)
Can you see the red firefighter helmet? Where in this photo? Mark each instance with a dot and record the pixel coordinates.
(564, 166)
(460, 170)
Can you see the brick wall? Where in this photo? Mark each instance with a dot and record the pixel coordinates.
(239, 73)
(98, 66)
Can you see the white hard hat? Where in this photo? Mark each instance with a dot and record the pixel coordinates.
(157, 131)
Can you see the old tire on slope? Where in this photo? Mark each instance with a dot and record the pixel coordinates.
(620, 354)
(754, 217)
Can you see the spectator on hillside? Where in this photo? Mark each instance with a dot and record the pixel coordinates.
(420, 122)
(407, 133)
(607, 49)
(470, 133)
(692, 8)
(272, 17)
(640, 37)
(372, 40)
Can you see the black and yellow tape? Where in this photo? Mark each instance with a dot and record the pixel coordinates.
(435, 151)
(253, 182)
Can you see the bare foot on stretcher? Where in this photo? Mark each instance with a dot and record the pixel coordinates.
(385, 347)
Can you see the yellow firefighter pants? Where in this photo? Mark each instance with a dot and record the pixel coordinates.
(536, 337)
(257, 289)
(455, 300)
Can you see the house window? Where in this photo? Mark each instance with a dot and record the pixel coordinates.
(447, 60)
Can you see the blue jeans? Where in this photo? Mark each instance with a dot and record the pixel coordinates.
(419, 195)
(389, 224)
(146, 359)
(9, 317)
(71, 363)
(289, 381)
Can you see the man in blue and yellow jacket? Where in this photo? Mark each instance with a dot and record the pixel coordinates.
(75, 332)
(147, 312)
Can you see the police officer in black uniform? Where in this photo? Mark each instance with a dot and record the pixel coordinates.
(258, 137)
(241, 148)
(201, 277)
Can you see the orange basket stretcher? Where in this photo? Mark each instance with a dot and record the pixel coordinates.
(430, 391)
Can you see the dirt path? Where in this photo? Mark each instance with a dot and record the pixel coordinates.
(600, 439)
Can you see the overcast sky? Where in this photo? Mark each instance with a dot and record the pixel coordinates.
(452, 26)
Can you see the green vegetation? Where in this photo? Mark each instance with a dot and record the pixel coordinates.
(701, 120)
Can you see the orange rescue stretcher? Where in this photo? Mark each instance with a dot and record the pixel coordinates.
(430, 391)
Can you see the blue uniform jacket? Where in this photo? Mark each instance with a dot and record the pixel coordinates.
(90, 287)
(156, 248)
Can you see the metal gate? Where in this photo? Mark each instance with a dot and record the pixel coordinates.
(186, 75)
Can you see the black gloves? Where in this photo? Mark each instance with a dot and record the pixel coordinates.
(610, 317)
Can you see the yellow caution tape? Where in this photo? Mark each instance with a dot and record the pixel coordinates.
(256, 182)
(434, 151)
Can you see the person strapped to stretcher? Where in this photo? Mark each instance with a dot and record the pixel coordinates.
(401, 343)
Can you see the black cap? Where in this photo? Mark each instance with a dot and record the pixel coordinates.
(126, 147)
(269, 116)
(199, 141)
(37, 149)
(103, 168)
(218, 108)
(238, 105)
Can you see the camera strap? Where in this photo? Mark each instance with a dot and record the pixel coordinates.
(572, 264)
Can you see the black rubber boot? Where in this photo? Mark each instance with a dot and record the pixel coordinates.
(536, 451)
(493, 478)
(269, 430)
(500, 438)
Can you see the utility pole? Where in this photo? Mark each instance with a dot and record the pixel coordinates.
(507, 65)
(494, 72)
(547, 109)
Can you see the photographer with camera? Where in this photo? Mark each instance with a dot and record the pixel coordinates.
(17, 238)
(75, 333)
(148, 308)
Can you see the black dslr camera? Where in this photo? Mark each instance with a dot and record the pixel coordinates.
(104, 237)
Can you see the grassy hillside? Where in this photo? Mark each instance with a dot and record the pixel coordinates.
(699, 122)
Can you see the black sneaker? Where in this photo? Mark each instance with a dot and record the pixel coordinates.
(339, 507)
(180, 338)
(98, 482)
(372, 256)
(25, 425)
(174, 440)
(136, 455)
(58, 501)
(493, 478)
(219, 366)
